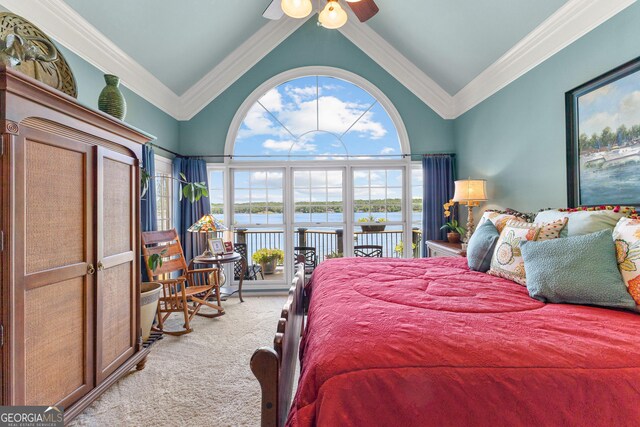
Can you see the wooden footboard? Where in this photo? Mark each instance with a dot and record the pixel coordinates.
(274, 367)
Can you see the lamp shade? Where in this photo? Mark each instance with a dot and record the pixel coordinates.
(206, 224)
(470, 190)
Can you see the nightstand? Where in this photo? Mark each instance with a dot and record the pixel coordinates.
(439, 248)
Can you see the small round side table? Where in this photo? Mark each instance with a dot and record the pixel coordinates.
(219, 260)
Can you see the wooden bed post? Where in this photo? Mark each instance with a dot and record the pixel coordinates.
(275, 367)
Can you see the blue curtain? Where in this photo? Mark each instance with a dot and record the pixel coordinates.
(148, 203)
(438, 174)
(187, 213)
(148, 214)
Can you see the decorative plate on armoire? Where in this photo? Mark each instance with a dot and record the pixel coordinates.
(57, 73)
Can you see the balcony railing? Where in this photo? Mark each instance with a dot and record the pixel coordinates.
(328, 242)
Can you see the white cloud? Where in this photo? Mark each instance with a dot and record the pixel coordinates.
(387, 150)
(628, 113)
(289, 145)
(272, 100)
(299, 117)
(300, 94)
(591, 97)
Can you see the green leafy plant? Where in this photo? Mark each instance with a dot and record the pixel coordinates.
(334, 255)
(263, 256)
(155, 260)
(192, 191)
(454, 227)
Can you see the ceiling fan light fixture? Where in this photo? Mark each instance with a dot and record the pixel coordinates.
(296, 8)
(333, 15)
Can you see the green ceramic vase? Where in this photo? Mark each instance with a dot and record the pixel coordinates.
(111, 100)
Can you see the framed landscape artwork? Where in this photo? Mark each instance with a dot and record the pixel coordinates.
(603, 139)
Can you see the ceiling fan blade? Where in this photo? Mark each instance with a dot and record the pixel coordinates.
(364, 9)
(273, 11)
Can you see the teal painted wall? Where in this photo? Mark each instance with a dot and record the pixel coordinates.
(516, 138)
(206, 133)
(140, 113)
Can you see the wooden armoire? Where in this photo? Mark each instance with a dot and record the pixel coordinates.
(69, 242)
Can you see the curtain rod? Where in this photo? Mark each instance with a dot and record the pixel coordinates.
(231, 156)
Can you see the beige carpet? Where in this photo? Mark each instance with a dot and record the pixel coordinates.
(199, 379)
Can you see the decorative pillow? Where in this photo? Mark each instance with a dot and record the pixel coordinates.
(576, 270)
(498, 219)
(627, 238)
(582, 222)
(507, 260)
(481, 246)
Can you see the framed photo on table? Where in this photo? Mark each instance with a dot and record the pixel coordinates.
(216, 246)
(228, 247)
(603, 139)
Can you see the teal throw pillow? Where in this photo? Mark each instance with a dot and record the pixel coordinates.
(481, 245)
(576, 270)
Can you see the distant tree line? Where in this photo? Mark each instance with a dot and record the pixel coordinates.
(373, 206)
(608, 138)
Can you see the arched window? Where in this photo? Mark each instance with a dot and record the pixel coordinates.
(319, 162)
(317, 117)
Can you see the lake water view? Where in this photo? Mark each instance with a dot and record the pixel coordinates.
(321, 218)
(619, 185)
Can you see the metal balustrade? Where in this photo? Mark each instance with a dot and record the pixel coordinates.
(327, 242)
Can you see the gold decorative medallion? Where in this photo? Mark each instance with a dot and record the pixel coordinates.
(56, 74)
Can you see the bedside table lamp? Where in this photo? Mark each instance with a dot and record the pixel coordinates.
(470, 192)
(205, 225)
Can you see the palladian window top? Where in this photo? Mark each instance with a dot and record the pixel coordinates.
(317, 118)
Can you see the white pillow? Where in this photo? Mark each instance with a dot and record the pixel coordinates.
(582, 222)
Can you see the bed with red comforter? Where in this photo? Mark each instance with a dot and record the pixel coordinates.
(427, 342)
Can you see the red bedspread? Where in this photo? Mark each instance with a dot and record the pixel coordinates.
(429, 343)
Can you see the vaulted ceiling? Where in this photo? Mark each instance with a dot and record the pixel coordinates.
(181, 55)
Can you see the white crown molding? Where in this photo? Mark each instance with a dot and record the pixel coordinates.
(238, 62)
(396, 64)
(572, 21)
(70, 29)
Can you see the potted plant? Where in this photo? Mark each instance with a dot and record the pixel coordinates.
(268, 258)
(374, 225)
(149, 294)
(453, 236)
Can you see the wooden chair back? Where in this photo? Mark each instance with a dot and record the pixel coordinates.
(155, 242)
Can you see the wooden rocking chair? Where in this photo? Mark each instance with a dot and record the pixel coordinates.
(187, 292)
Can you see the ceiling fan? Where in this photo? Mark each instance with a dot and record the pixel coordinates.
(332, 15)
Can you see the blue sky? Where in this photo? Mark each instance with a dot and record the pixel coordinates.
(316, 116)
(612, 105)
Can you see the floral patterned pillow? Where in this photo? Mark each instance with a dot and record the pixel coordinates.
(627, 238)
(507, 259)
(497, 218)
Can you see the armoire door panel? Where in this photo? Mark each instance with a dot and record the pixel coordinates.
(55, 345)
(117, 209)
(115, 285)
(55, 201)
(53, 291)
(117, 290)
